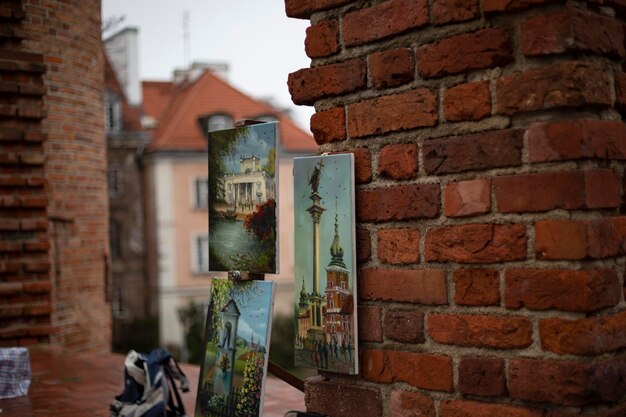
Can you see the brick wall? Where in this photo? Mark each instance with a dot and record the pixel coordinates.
(489, 151)
(53, 201)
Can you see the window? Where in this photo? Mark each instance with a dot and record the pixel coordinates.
(201, 193)
(112, 112)
(219, 122)
(202, 254)
(116, 186)
(115, 237)
(119, 305)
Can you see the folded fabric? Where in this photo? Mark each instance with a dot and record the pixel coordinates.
(14, 372)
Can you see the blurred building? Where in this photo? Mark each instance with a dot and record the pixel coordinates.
(165, 156)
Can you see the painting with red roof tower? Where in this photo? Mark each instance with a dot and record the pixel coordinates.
(242, 199)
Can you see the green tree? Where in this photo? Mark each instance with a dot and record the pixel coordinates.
(271, 162)
(222, 144)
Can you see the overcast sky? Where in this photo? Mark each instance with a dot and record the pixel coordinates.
(257, 40)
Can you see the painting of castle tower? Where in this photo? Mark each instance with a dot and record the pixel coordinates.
(242, 199)
(234, 366)
(325, 264)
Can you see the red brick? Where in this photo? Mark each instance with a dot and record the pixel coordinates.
(591, 336)
(446, 11)
(10, 247)
(465, 408)
(567, 290)
(310, 84)
(36, 266)
(422, 286)
(329, 125)
(38, 287)
(398, 161)
(572, 30)
(364, 245)
(362, 165)
(392, 68)
(495, 149)
(10, 134)
(303, 9)
(602, 189)
(499, 332)
(399, 246)
(383, 20)
(37, 310)
(350, 400)
(482, 376)
(411, 404)
(579, 239)
(557, 382)
(404, 326)
(485, 48)
(9, 224)
(370, 324)
(10, 288)
(558, 141)
(476, 243)
(490, 6)
(620, 91)
(469, 101)
(467, 198)
(432, 372)
(565, 84)
(409, 110)
(476, 287)
(397, 203)
(322, 39)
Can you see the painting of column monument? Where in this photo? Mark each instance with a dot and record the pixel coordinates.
(242, 199)
(234, 367)
(325, 264)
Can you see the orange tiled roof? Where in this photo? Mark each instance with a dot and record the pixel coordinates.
(178, 108)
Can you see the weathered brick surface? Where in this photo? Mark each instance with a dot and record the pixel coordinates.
(432, 372)
(572, 29)
(485, 48)
(310, 84)
(476, 243)
(392, 68)
(470, 101)
(386, 19)
(592, 336)
(465, 408)
(364, 245)
(422, 286)
(370, 324)
(476, 287)
(403, 202)
(351, 400)
(446, 11)
(329, 125)
(362, 165)
(620, 91)
(398, 246)
(500, 148)
(404, 326)
(322, 39)
(576, 139)
(410, 110)
(303, 9)
(482, 376)
(566, 84)
(568, 290)
(398, 161)
(467, 198)
(411, 404)
(500, 332)
(511, 5)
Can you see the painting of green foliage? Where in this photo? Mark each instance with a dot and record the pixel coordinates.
(242, 199)
(237, 333)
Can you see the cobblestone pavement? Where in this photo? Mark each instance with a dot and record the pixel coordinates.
(83, 385)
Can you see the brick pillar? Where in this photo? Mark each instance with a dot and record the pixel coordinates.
(489, 147)
(54, 209)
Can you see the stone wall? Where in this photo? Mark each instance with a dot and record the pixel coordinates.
(489, 149)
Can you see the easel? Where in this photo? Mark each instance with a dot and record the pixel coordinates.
(275, 369)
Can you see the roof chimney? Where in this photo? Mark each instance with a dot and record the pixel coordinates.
(123, 52)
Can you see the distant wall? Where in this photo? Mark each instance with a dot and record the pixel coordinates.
(489, 146)
(54, 210)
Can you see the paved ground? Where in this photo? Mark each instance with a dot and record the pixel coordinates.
(83, 386)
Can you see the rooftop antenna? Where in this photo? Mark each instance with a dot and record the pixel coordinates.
(186, 38)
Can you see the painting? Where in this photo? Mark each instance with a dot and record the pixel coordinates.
(237, 333)
(325, 264)
(242, 199)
